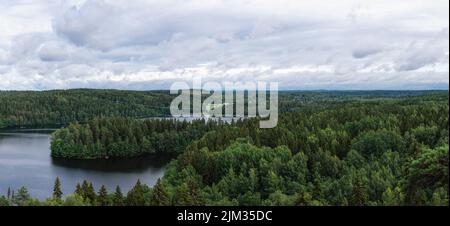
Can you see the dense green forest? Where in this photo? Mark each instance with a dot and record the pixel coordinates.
(356, 148)
(61, 107)
(125, 138)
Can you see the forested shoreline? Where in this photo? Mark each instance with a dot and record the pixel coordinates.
(328, 149)
(56, 108)
(104, 138)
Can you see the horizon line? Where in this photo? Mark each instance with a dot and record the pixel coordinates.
(281, 90)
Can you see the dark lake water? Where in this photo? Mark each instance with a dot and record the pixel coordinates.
(25, 161)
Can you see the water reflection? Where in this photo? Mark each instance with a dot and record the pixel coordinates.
(25, 161)
(139, 164)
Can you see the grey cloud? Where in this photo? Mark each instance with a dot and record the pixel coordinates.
(106, 25)
(363, 53)
(126, 44)
(52, 52)
(423, 53)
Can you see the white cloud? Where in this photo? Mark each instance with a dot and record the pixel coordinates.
(347, 44)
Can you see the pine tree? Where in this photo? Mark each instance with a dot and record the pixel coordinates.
(57, 193)
(102, 198)
(118, 199)
(160, 196)
(135, 196)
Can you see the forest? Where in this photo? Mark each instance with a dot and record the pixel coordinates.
(56, 108)
(329, 148)
(126, 138)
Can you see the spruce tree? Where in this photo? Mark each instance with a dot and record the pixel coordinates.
(195, 193)
(91, 195)
(359, 193)
(84, 189)
(135, 196)
(160, 196)
(57, 193)
(79, 191)
(88, 192)
(102, 198)
(21, 196)
(118, 199)
(182, 196)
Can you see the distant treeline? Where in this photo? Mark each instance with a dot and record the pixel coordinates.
(38, 109)
(61, 107)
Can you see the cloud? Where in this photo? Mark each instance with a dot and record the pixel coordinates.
(147, 44)
(423, 53)
(365, 52)
(52, 51)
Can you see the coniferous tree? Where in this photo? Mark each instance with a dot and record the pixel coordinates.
(8, 196)
(57, 193)
(84, 189)
(90, 193)
(79, 190)
(102, 198)
(118, 199)
(21, 196)
(195, 192)
(359, 193)
(160, 196)
(182, 196)
(135, 196)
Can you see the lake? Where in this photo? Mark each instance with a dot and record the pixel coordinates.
(25, 161)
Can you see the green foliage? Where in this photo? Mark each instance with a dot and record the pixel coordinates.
(427, 135)
(160, 195)
(135, 196)
(118, 198)
(57, 193)
(87, 192)
(61, 107)
(4, 201)
(331, 148)
(428, 174)
(393, 197)
(74, 200)
(21, 197)
(126, 138)
(102, 198)
(377, 142)
(359, 193)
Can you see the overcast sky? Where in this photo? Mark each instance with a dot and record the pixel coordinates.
(137, 44)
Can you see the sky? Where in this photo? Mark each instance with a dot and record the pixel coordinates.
(148, 44)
